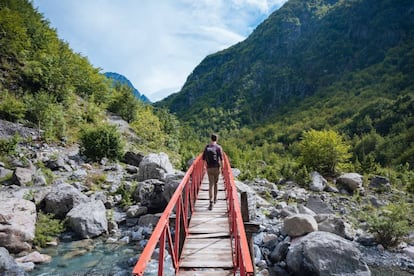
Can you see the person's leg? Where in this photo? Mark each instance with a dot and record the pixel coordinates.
(216, 177)
(211, 179)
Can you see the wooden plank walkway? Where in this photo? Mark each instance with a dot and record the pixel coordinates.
(207, 248)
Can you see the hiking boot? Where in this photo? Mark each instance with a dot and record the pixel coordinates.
(210, 207)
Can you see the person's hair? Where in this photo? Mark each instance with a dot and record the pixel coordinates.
(214, 137)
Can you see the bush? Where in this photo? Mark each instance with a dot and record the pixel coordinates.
(11, 109)
(47, 228)
(8, 146)
(323, 150)
(390, 224)
(47, 114)
(102, 141)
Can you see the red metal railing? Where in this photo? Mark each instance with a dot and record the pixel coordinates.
(182, 202)
(241, 255)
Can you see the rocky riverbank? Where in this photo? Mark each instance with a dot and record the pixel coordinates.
(110, 209)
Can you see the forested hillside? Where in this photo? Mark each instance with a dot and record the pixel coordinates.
(44, 84)
(345, 66)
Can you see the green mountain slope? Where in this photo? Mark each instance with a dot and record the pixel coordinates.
(300, 49)
(44, 84)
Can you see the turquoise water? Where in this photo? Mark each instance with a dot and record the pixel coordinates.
(88, 257)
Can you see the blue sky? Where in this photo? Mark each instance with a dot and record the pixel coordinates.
(154, 43)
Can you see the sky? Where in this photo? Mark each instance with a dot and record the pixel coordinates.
(156, 44)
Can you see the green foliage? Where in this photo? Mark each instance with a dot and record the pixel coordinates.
(11, 108)
(8, 146)
(126, 192)
(124, 103)
(47, 114)
(102, 141)
(148, 127)
(47, 228)
(323, 150)
(390, 224)
(95, 181)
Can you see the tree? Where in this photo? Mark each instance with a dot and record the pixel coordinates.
(323, 150)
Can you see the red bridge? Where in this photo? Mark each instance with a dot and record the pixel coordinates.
(200, 241)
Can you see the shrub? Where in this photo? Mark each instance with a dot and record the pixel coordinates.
(323, 150)
(8, 146)
(390, 224)
(47, 228)
(11, 109)
(47, 114)
(126, 192)
(102, 141)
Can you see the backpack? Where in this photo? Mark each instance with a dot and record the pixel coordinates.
(211, 155)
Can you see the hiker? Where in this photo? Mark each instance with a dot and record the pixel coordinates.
(213, 156)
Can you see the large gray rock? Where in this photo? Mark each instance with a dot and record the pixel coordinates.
(155, 166)
(5, 172)
(380, 183)
(17, 224)
(22, 176)
(323, 253)
(333, 224)
(351, 181)
(8, 266)
(318, 182)
(318, 205)
(62, 198)
(133, 158)
(299, 224)
(88, 219)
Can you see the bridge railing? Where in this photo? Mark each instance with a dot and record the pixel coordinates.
(182, 203)
(241, 254)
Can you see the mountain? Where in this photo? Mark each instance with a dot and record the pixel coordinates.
(305, 49)
(123, 80)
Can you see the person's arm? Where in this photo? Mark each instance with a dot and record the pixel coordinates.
(221, 158)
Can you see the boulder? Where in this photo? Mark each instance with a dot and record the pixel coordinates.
(305, 210)
(5, 172)
(8, 266)
(409, 251)
(299, 224)
(136, 211)
(318, 183)
(149, 219)
(335, 225)
(22, 176)
(17, 224)
(380, 183)
(88, 219)
(155, 166)
(62, 198)
(39, 179)
(35, 257)
(55, 164)
(318, 205)
(323, 253)
(351, 181)
(150, 193)
(280, 251)
(132, 158)
(289, 210)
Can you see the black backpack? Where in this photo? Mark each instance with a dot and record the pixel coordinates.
(211, 155)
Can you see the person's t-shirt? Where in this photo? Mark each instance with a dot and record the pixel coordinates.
(212, 155)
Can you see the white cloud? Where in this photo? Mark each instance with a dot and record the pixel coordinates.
(156, 44)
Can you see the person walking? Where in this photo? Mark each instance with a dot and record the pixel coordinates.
(214, 161)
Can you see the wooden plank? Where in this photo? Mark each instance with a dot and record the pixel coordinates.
(198, 253)
(210, 272)
(207, 249)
